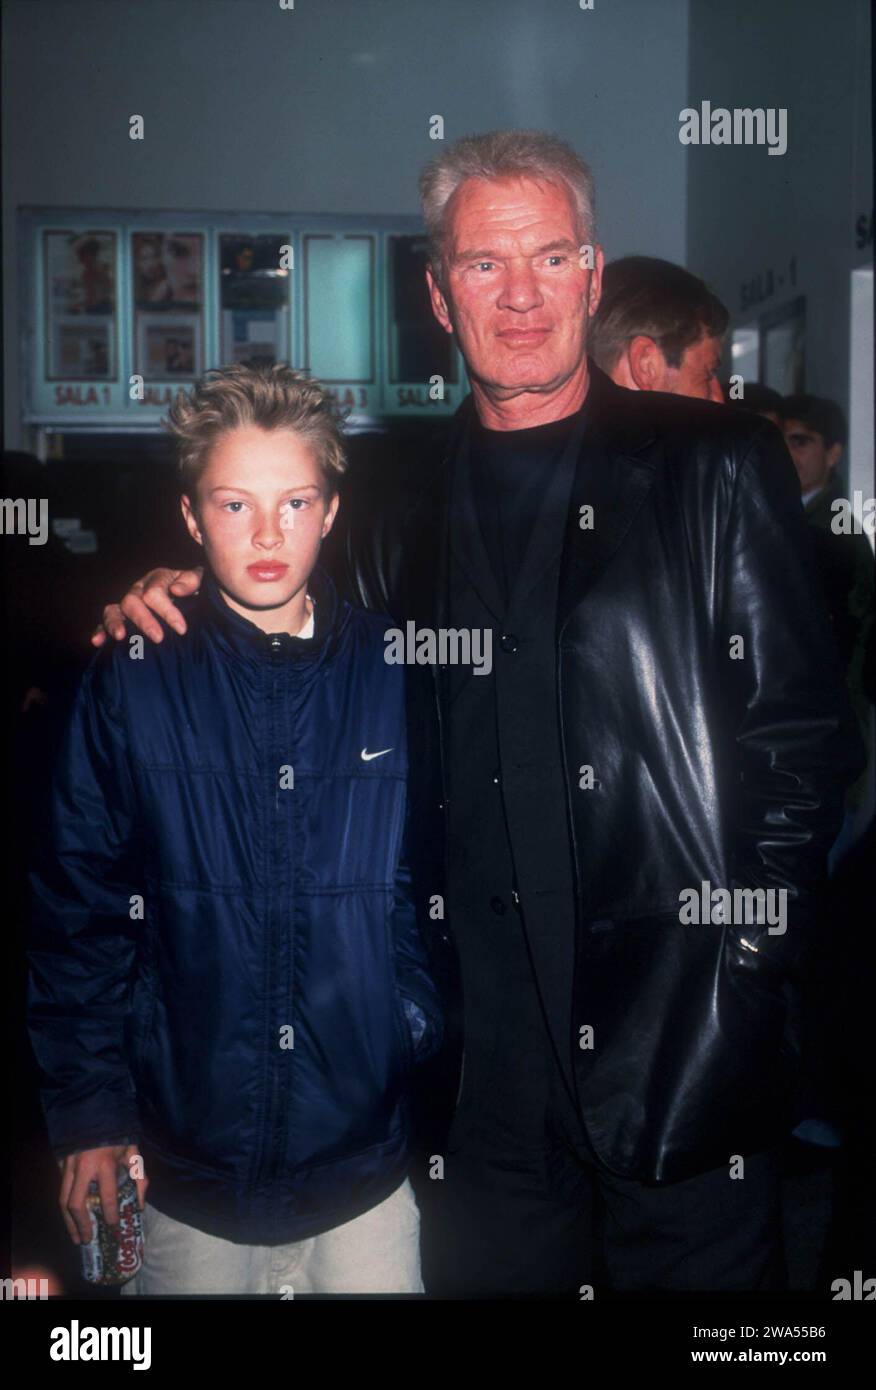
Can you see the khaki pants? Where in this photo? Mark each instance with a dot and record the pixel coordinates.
(377, 1252)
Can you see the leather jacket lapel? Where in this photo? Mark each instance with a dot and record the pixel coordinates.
(616, 467)
(615, 487)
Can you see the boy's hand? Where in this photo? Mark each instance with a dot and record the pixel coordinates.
(152, 592)
(78, 1170)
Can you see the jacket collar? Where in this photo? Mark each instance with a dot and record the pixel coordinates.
(818, 508)
(244, 641)
(619, 416)
(617, 462)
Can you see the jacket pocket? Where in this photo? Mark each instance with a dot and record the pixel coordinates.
(760, 983)
(687, 1061)
(404, 1030)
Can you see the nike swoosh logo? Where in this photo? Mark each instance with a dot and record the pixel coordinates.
(366, 756)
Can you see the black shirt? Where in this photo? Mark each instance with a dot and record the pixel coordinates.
(510, 488)
(510, 469)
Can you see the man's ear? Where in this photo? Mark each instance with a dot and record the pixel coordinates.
(594, 292)
(439, 303)
(646, 362)
(833, 455)
(191, 520)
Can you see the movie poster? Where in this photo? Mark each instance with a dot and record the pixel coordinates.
(168, 279)
(254, 279)
(80, 299)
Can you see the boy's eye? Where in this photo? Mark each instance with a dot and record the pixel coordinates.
(295, 504)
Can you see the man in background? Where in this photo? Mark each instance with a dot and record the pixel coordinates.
(816, 435)
(659, 328)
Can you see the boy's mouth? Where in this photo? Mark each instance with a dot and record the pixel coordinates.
(266, 571)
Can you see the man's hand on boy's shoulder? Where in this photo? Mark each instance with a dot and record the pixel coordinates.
(151, 594)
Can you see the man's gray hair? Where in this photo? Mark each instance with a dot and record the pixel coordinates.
(503, 154)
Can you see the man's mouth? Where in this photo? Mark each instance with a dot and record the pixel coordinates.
(522, 337)
(266, 572)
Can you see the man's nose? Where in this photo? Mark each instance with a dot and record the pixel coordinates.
(520, 289)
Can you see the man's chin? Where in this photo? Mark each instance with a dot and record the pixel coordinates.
(534, 381)
(516, 372)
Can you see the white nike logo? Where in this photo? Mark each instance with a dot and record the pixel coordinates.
(366, 756)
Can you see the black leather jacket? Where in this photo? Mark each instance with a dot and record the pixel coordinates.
(718, 761)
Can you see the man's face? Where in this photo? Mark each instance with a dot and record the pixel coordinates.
(698, 373)
(813, 460)
(262, 513)
(515, 293)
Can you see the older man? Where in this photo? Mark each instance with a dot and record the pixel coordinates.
(660, 747)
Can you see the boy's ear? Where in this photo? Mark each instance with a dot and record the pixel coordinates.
(191, 519)
(331, 512)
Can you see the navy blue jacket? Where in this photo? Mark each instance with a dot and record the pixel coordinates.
(225, 960)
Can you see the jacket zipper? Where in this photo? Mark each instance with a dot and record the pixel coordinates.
(270, 1159)
(440, 750)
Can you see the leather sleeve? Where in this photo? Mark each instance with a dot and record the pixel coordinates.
(797, 745)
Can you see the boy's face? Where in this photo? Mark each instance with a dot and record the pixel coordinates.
(261, 512)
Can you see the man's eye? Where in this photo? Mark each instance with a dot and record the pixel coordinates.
(485, 264)
(557, 260)
(297, 503)
(226, 506)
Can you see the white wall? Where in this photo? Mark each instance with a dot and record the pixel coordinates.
(749, 211)
(325, 108)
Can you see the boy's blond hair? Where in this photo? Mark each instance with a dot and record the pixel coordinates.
(273, 397)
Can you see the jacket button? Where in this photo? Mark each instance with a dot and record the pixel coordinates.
(498, 906)
(508, 642)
